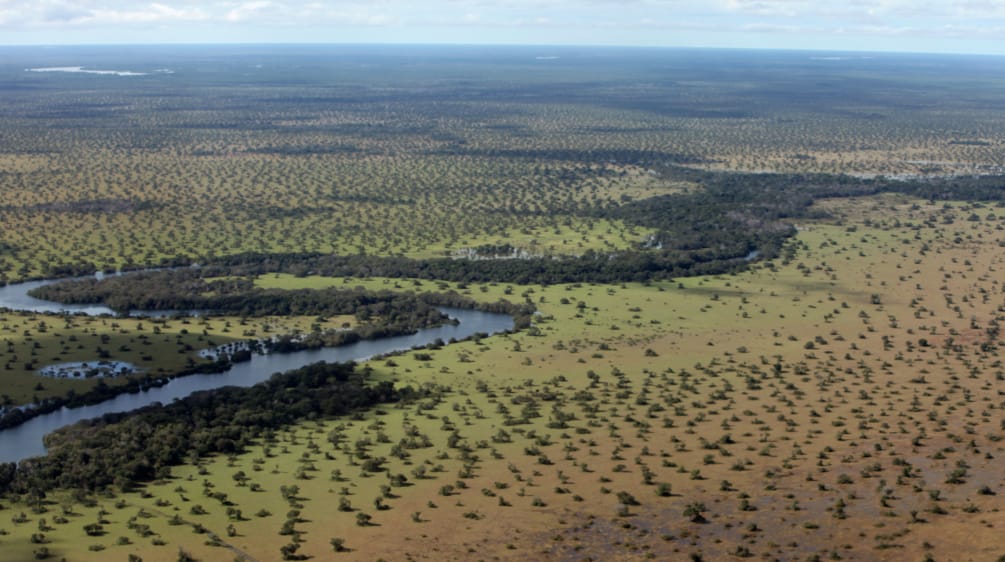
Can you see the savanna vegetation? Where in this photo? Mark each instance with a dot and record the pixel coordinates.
(713, 362)
(427, 154)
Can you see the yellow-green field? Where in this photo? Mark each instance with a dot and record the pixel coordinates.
(842, 401)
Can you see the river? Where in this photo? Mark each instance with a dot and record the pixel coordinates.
(25, 440)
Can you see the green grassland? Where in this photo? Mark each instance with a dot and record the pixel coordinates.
(834, 401)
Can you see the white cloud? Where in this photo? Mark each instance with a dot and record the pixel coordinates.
(247, 10)
(540, 21)
(930, 10)
(783, 8)
(359, 17)
(153, 13)
(56, 13)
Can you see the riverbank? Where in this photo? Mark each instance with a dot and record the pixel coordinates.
(22, 427)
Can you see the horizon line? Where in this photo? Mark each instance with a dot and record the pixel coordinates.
(495, 45)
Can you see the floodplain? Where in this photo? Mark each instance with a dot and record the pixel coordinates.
(838, 397)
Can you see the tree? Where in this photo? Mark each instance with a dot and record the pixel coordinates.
(627, 499)
(695, 511)
(289, 551)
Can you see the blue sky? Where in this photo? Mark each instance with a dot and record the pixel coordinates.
(955, 26)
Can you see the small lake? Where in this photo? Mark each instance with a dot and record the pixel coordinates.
(25, 440)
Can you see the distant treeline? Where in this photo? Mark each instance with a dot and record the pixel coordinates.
(737, 187)
(815, 186)
(120, 449)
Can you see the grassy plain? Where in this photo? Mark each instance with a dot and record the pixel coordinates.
(839, 402)
(425, 153)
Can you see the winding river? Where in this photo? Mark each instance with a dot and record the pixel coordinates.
(25, 440)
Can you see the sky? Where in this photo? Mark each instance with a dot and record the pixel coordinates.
(945, 26)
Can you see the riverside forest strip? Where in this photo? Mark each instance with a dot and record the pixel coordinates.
(123, 449)
(215, 291)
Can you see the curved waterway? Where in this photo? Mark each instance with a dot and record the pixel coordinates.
(16, 297)
(25, 440)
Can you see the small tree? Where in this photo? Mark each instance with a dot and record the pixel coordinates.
(627, 499)
(289, 551)
(695, 511)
